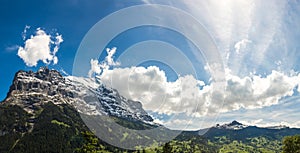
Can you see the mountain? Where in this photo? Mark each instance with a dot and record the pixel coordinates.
(239, 131)
(234, 125)
(239, 137)
(43, 111)
(233, 137)
(31, 90)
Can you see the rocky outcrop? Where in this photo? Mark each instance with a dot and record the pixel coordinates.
(31, 90)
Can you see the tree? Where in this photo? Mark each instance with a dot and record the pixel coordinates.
(291, 144)
(167, 148)
(92, 144)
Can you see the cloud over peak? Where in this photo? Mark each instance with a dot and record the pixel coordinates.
(97, 68)
(40, 47)
(191, 96)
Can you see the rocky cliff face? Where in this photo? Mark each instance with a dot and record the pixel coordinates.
(30, 90)
(44, 109)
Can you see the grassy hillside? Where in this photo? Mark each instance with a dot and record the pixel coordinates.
(59, 128)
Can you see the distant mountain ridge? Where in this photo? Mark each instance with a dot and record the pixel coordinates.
(238, 130)
(234, 125)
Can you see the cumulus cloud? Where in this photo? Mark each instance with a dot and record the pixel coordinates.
(150, 86)
(191, 96)
(256, 91)
(39, 47)
(98, 68)
(245, 32)
(95, 67)
(57, 42)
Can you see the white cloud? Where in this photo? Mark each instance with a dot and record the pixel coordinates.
(150, 86)
(241, 45)
(38, 47)
(256, 91)
(98, 68)
(95, 67)
(57, 42)
(231, 21)
(62, 71)
(25, 32)
(109, 58)
(191, 96)
(232, 24)
(12, 48)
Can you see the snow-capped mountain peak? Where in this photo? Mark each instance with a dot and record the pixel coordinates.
(234, 125)
(89, 96)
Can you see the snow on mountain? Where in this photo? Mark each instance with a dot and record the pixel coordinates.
(277, 127)
(90, 96)
(234, 125)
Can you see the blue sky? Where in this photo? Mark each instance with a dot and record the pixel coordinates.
(258, 45)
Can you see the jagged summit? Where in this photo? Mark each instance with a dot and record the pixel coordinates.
(31, 90)
(54, 110)
(234, 125)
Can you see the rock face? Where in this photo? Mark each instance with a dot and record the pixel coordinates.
(43, 112)
(30, 90)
